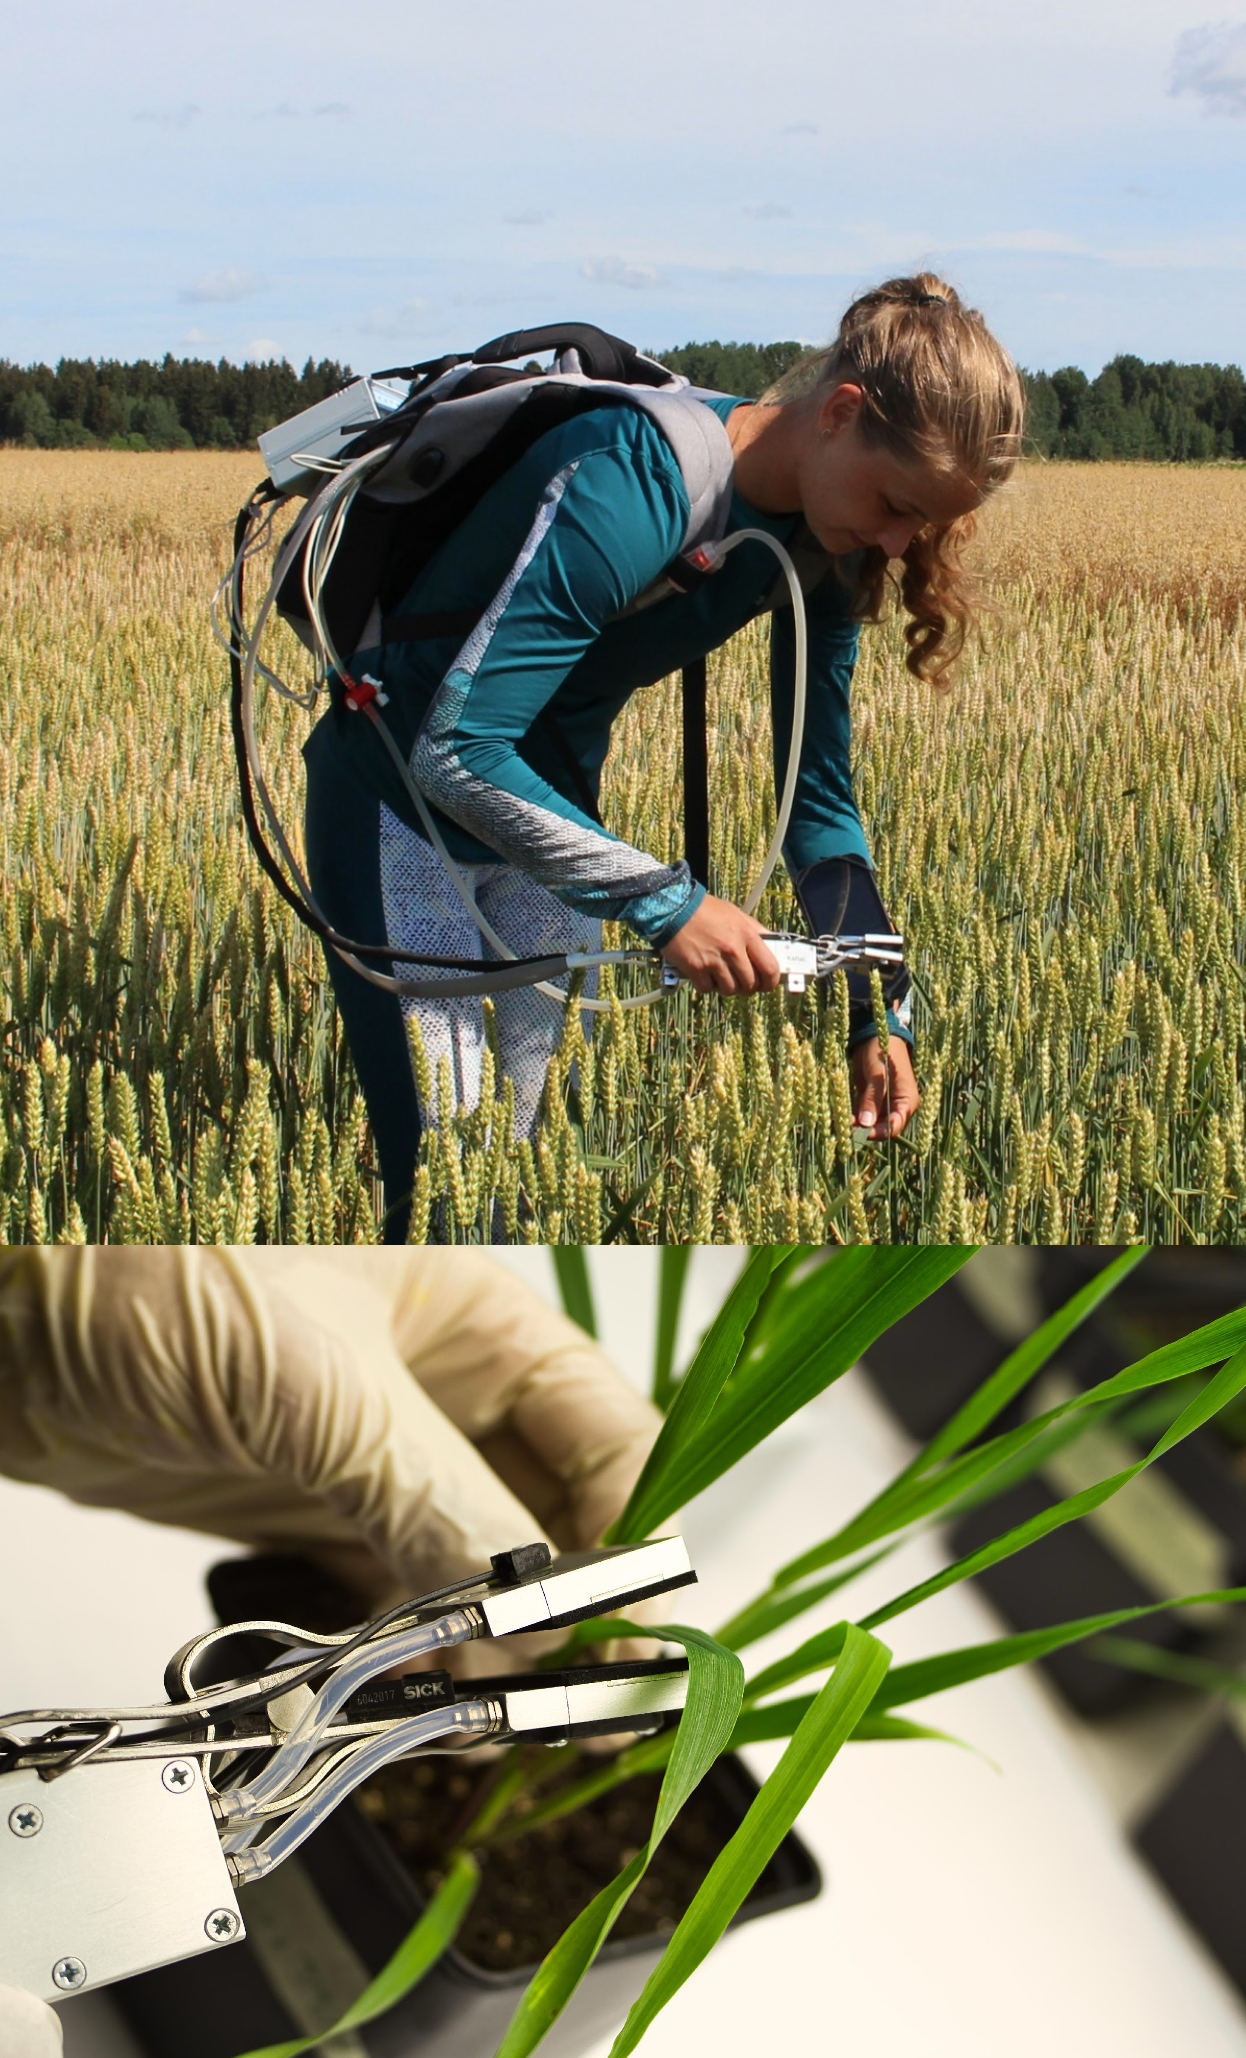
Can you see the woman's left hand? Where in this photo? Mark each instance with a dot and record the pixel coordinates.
(884, 1090)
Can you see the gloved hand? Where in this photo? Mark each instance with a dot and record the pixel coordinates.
(396, 1415)
(28, 2027)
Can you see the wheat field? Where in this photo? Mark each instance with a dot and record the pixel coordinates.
(1060, 837)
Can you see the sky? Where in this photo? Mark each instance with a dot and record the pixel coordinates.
(378, 184)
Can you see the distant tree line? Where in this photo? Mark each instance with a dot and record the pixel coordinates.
(1172, 412)
(179, 404)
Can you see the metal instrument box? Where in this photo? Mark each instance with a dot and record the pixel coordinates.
(108, 1870)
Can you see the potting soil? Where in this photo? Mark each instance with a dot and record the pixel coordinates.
(534, 1885)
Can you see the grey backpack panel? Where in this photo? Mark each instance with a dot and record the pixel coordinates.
(459, 429)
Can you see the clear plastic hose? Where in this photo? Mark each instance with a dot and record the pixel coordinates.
(799, 694)
(308, 1733)
(467, 1718)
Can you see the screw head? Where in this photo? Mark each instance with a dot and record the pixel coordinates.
(68, 1974)
(27, 1820)
(222, 1926)
(178, 1775)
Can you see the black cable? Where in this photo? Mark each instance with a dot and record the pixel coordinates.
(696, 771)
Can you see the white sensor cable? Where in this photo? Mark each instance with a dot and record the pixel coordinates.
(466, 1718)
(309, 1732)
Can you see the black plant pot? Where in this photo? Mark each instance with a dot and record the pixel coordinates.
(327, 1920)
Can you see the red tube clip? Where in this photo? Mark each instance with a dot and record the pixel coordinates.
(363, 692)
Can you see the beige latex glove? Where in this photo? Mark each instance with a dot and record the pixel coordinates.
(397, 1415)
(28, 2028)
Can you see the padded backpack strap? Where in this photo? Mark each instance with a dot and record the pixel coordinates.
(601, 355)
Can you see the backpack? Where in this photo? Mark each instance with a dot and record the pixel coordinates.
(465, 421)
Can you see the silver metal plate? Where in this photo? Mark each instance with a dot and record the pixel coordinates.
(598, 1700)
(581, 1581)
(122, 1873)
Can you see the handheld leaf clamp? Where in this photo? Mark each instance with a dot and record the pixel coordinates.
(125, 1832)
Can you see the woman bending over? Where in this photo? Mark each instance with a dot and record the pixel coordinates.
(881, 447)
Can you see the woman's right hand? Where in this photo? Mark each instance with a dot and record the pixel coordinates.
(720, 950)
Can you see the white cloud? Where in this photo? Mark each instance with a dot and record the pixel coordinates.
(395, 321)
(233, 283)
(170, 117)
(1211, 62)
(770, 211)
(615, 271)
(531, 218)
(263, 349)
(333, 107)
(801, 128)
(196, 336)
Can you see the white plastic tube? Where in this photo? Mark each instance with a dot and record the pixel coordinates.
(467, 1718)
(308, 1734)
(799, 697)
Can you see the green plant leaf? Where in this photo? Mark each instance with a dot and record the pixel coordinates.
(811, 1656)
(925, 1676)
(574, 1285)
(813, 1331)
(1223, 1386)
(825, 1727)
(673, 1261)
(715, 1685)
(973, 1476)
(1174, 1665)
(882, 1729)
(645, 1756)
(656, 1494)
(421, 1948)
(762, 1725)
(771, 1610)
(1029, 1357)
(781, 1718)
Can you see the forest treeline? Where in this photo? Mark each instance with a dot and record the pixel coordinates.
(1169, 412)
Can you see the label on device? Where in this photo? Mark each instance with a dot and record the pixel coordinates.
(406, 1696)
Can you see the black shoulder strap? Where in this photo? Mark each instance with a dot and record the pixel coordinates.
(601, 355)
(696, 771)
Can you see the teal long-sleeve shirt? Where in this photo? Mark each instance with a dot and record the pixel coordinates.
(554, 553)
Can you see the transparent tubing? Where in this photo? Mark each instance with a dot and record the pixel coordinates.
(796, 741)
(786, 800)
(307, 1735)
(468, 1718)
